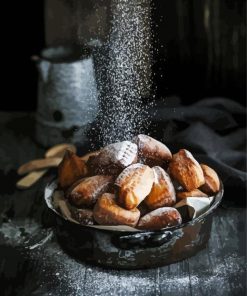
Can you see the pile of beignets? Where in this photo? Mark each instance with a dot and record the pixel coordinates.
(134, 183)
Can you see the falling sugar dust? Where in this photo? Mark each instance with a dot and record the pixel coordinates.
(123, 71)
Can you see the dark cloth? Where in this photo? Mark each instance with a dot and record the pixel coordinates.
(214, 130)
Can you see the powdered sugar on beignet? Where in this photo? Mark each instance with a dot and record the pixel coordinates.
(108, 212)
(186, 170)
(163, 192)
(127, 173)
(160, 218)
(151, 151)
(134, 185)
(115, 157)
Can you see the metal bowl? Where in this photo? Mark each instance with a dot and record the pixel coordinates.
(133, 250)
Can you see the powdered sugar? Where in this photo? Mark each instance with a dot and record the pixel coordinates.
(121, 153)
(73, 278)
(191, 157)
(127, 172)
(124, 74)
(126, 153)
(168, 214)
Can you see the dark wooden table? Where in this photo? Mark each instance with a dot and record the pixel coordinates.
(32, 262)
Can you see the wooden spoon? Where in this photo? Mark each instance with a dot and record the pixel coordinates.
(38, 164)
(59, 150)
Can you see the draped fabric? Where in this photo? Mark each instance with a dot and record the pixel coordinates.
(214, 130)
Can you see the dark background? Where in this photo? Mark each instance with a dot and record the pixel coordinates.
(201, 46)
(202, 53)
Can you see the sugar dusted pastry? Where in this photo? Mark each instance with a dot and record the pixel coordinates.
(85, 192)
(151, 151)
(114, 158)
(127, 174)
(71, 169)
(163, 192)
(193, 193)
(186, 170)
(133, 185)
(108, 212)
(125, 183)
(212, 182)
(160, 218)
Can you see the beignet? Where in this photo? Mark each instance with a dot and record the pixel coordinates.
(212, 182)
(86, 191)
(133, 185)
(163, 192)
(108, 212)
(186, 170)
(71, 169)
(114, 158)
(160, 218)
(151, 151)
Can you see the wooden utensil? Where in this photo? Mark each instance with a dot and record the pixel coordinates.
(38, 164)
(30, 179)
(59, 150)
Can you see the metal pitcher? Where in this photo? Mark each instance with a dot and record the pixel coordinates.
(67, 95)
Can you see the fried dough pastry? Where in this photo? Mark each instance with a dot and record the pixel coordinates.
(114, 158)
(86, 191)
(160, 218)
(163, 192)
(71, 169)
(212, 182)
(133, 185)
(151, 151)
(186, 170)
(108, 212)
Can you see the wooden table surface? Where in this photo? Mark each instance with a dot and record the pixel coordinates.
(32, 262)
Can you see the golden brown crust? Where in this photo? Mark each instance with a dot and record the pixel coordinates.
(135, 186)
(160, 218)
(186, 170)
(151, 151)
(85, 192)
(212, 182)
(193, 193)
(71, 169)
(163, 192)
(108, 212)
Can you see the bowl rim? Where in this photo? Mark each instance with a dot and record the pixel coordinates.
(52, 186)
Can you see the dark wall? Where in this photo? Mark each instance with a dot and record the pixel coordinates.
(22, 27)
(201, 46)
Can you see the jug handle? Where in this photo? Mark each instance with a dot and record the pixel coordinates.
(43, 70)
